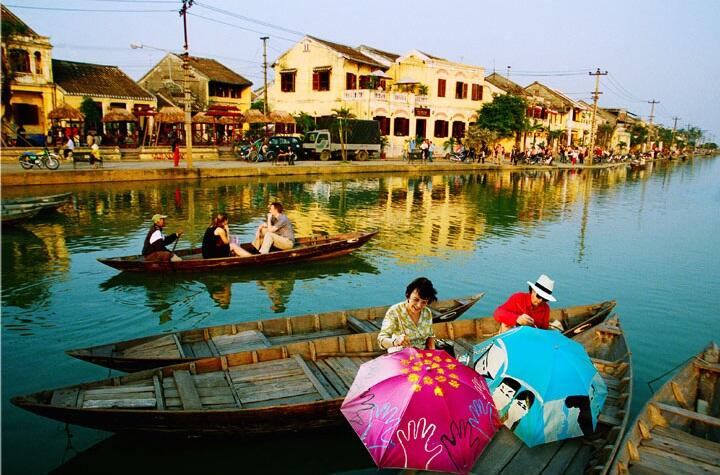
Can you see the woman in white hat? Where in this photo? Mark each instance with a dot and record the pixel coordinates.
(529, 308)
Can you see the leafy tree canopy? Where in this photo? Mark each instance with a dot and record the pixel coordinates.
(504, 115)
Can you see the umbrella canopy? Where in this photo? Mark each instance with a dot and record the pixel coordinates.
(68, 112)
(172, 115)
(421, 409)
(543, 384)
(281, 117)
(254, 116)
(203, 118)
(119, 115)
(379, 73)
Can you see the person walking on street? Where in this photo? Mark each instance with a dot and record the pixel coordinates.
(176, 151)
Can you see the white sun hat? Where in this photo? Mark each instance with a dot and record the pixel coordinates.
(544, 287)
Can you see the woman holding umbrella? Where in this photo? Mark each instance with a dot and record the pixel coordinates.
(409, 323)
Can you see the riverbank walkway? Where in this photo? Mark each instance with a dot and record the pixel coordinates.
(11, 174)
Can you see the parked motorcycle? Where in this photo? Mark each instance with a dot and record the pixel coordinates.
(44, 159)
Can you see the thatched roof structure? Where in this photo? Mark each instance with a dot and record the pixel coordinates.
(170, 115)
(231, 119)
(254, 116)
(203, 118)
(281, 117)
(68, 112)
(119, 115)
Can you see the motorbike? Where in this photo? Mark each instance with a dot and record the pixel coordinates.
(45, 159)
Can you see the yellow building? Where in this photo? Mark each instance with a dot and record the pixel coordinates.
(27, 66)
(415, 94)
(211, 83)
(570, 116)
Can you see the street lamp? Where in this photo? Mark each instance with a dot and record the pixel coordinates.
(187, 100)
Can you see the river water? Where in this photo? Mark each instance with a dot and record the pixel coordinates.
(648, 239)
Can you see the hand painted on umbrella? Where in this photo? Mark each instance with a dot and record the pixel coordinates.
(462, 441)
(480, 410)
(416, 444)
(383, 420)
(366, 404)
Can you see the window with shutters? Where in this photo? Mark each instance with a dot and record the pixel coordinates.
(384, 123)
(461, 90)
(350, 81)
(441, 88)
(401, 126)
(321, 81)
(458, 129)
(441, 128)
(19, 60)
(287, 82)
(477, 92)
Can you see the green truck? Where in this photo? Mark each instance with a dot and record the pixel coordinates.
(363, 140)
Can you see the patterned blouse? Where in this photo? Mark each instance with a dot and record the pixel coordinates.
(391, 329)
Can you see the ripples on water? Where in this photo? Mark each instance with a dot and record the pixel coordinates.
(647, 239)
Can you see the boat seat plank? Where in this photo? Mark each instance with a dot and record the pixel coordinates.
(120, 389)
(146, 403)
(377, 323)
(683, 437)
(302, 398)
(531, 461)
(186, 390)
(65, 397)
(580, 462)
(708, 455)
(242, 341)
(343, 368)
(124, 395)
(178, 346)
(320, 375)
(695, 416)
(264, 366)
(319, 386)
(166, 340)
(271, 385)
(159, 402)
(704, 365)
(285, 339)
(332, 377)
(672, 463)
(360, 326)
(210, 380)
(565, 456)
(201, 349)
(296, 389)
(498, 453)
(218, 399)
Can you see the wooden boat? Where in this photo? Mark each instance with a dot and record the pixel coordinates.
(678, 430)
(37, 203)
(307, 248)
(13, 217)
(190, 345)
(637, 166)
(287, 388)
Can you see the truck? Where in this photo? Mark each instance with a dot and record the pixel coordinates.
(363, 140)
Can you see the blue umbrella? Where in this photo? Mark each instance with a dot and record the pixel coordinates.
(544, 385)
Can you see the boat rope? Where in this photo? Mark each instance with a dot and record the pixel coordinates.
(652, 390)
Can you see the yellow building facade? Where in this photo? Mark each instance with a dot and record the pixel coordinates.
(412, 95)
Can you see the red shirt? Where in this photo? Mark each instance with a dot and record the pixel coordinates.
(518, 304)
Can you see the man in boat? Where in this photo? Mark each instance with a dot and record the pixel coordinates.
(409, 323)
(155, 241)
(529, 308)
(277, 231)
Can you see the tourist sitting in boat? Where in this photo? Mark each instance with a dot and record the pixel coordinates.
(277, 231)
(155, 241)
(529, 308)
(409, 323)
(216, 241)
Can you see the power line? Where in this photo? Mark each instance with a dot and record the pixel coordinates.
(93, 10)
(239, 27)
(251, 20)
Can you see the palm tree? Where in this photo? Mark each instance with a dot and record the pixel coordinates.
(342, 118)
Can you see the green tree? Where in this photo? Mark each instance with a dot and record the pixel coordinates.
(342, 122)
(304, 122)
(93, 116)
(504, 115)
(604, 134)
(638, 134)
(423, 90)
(478, 137)
(664, 135)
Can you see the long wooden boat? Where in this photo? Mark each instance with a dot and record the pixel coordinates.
(12, 217)
(678, 430)
(37, 203)
(287, 388)
(190, 345)
(306, 248)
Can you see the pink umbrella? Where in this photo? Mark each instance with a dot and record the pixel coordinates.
(421, 409)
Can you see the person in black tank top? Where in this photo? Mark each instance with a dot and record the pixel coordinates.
(216, 240)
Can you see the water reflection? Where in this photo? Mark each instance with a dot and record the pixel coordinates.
(278, 282)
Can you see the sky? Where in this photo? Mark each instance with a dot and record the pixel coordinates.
(662, 50)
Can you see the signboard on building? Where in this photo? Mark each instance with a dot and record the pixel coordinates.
(422, 112)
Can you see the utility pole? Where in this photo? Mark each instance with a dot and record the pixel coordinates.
(596, 96)
(672, 139)
(652, 115)
(265, 99)
(186, 86)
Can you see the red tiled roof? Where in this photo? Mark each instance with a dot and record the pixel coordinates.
(217, 72)
(96, 80)
(349, 52)
(390, 56)
(11, 24)
(504, 83)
